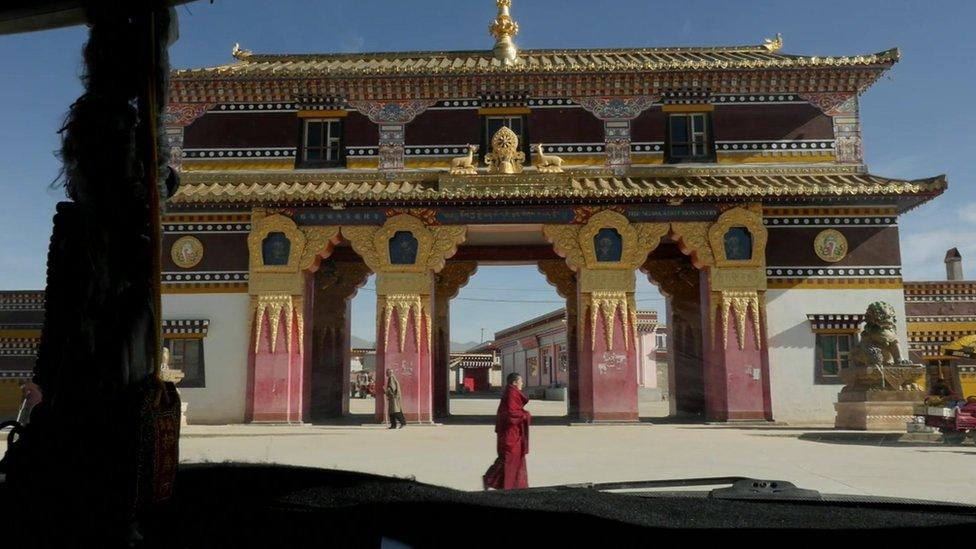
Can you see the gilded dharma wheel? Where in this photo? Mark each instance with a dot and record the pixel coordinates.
(504, 141)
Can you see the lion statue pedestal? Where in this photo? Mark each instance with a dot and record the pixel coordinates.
(880, 390)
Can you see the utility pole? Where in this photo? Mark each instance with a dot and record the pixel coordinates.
(482, 335)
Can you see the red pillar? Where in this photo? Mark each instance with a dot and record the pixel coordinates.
(735, 367)
(441, 354)
(607, 365)
(277, 387)
(403, 345)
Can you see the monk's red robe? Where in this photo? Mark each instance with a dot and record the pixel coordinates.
(512, 438)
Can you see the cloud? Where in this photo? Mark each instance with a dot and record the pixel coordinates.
(923, 252)
(967, 213)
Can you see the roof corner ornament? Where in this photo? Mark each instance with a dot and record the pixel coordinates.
(240, 53)
(504, 29)
(774, 44)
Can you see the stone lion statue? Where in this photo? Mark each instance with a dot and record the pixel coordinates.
(879, 342)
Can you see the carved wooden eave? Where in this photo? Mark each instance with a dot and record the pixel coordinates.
(547, 73)
(772, 185)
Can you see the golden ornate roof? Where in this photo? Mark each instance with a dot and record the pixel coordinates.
(290, 186)
(763, 56)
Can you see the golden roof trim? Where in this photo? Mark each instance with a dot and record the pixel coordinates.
(764, 56)
(289, 186)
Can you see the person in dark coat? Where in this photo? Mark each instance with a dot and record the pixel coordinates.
(394, 405)
(512, 439)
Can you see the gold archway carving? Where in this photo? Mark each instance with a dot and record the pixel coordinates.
(692, 239)
(575, 242)
(308, 244)
(739, 217)
(434, 244)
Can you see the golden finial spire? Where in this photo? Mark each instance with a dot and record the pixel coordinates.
(503, 28)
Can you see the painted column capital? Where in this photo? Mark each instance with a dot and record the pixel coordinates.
(616, 112)
(184, 114)
(392, 112)
(424, 249)
(617, 107)
(392, 118)
(622, 245)
(280, 252)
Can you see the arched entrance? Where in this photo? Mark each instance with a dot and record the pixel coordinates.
(712, 272)
(680, 282)
(716, 287)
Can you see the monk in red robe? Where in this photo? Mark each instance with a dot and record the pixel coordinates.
(512, 432)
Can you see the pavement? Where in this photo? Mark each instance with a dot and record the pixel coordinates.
(456, 453)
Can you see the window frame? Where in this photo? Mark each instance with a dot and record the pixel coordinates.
(199, 382)
(708, 143)
(301, 160)
(820, 375)
(485, 146)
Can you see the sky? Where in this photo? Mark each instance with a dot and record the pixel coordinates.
(917, 121)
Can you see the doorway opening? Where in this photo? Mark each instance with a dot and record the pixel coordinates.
(341, 358)
(679, 282)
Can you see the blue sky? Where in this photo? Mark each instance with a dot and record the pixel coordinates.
(917, 121)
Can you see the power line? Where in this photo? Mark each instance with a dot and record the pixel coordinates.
(553, 302)
(373, 289)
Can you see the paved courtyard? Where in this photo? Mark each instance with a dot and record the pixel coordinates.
(457, 453)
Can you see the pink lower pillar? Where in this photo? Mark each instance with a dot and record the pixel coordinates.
(735, 381)
(412, 365)
(277, 386)
(607, 375)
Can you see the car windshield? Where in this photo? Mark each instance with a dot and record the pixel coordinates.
(502, 245)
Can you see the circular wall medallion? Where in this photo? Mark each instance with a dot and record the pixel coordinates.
(830, 245)
(187, 252)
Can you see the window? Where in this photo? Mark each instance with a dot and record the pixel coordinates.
(322, 142)
(661, 341)
(186, 355)
(833, 353)
(688, 138)
(515, 123)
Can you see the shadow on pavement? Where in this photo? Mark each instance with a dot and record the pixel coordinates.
(862, 439)
(536, 420)
(350, 420)
(490, 420)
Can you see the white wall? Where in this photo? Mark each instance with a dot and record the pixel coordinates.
(495, 377)
(222, 400)
(646, 361)
(795, 396)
